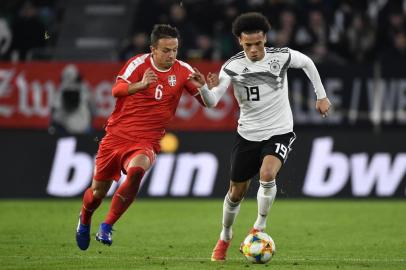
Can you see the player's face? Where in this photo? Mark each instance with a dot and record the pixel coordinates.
(253, 45)
(165, 52)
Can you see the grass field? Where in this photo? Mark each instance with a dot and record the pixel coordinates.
(180, 234)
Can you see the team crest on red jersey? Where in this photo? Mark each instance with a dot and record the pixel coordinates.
(172, 80)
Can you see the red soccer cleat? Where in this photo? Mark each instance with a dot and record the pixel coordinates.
(220, 250)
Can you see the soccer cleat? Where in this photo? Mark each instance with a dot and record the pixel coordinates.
(82, 235)
(104, 234)
(254, 231)
(220, 251)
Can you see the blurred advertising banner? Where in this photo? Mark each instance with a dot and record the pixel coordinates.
(196, 164)
(27, 92)
(361, 96)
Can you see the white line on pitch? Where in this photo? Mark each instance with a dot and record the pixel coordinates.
(197, 259)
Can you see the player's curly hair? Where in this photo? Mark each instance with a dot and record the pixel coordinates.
(250, 22)
(163, 31)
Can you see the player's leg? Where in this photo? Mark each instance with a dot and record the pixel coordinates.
(267, 189)
(127, 191)
(275, 152)
(231, 208)
(139, 162)
(106, 170)
(244, 165)
(92, 199)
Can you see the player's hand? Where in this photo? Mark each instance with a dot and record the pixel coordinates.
(197, 77)
(322, 106)
(148, 78)
(212, 80)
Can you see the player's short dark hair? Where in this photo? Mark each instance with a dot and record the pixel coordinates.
(163, 31)
(250, 22)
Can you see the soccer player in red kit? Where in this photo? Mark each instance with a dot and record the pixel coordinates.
(148, 89)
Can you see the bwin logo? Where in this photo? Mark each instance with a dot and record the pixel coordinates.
(329, 172)
(184, 174)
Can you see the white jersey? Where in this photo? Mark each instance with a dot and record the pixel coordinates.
(261, 89)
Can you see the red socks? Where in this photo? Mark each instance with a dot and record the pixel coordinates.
(121, 200)
(90, 203)
(125, 194)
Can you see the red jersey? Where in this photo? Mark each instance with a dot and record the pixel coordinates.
(146, 114)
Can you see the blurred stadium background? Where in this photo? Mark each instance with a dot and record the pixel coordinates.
(358, 152)
(359, 47)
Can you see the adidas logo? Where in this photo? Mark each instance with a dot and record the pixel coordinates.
(245, 70)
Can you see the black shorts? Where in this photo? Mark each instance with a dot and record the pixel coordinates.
(247, 156)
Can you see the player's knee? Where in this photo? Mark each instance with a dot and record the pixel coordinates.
(141, 160)
(99, 193)
(267, 175)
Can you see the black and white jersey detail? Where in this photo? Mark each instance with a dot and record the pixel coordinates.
(277, 50)
(246, 77)
(261, 91)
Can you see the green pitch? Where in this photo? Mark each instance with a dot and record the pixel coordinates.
(180, 234)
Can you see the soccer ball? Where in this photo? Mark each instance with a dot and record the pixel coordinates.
(258, 247)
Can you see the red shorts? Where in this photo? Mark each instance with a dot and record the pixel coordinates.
(115, 153)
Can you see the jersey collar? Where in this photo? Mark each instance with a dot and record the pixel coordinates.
(155, 67)
(263, 58)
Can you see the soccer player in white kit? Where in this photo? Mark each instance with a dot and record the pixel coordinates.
(265, 126)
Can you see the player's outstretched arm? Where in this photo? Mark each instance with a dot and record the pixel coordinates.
(212, 91)
(197, 78)
(299, 60)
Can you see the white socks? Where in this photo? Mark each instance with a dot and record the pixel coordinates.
(265, 197)
(230, 212)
